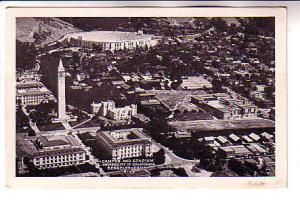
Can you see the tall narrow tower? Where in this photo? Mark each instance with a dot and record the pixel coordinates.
(61, 91)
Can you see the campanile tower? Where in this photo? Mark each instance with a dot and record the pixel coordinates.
(61, 91)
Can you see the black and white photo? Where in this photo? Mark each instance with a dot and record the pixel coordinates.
(139, 96)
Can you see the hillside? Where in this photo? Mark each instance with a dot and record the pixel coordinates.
(41, 31)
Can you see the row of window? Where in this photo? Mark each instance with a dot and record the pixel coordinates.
(60, 164)
(30, 102)
(69, 156)
(59, 160)
(129, 155)
(33, 97)
(130, 150)
(131, 147)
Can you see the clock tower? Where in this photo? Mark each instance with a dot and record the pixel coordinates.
(61, 91)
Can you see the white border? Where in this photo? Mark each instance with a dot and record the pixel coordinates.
(281, 155)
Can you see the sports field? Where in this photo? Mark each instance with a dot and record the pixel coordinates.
(216, 125)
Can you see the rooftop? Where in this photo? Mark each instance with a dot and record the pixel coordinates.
(194, 82)
(31, 149)
(254, 136)
(216, 104)
(182, 134)
(58, 140)
(25, 84)
(124, 137)
(240, 149)
(222, 139)
(247, 138)
(266, 135)
(258, 148)
(33, 91)
(234, 137)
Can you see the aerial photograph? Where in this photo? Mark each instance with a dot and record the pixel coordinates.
(145, 97)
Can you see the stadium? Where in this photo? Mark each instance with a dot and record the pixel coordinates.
(111, 40)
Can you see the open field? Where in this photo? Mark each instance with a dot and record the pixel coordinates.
(216, 125)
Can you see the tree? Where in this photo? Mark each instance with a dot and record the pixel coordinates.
(219, 24)
(155, 172)
(180, 172)
(237, 166)
(76, 58)
(25, 55)
(31, 132)
(269, 90)
(159, 157)
(21, 119)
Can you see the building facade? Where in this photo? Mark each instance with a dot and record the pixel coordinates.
(62, 158)
(108, 109)
(125, 143)
(225, 107)
(46, 152)
(195, 83)
(32, 92)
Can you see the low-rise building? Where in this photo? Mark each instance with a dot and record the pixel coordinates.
(108, 109)
(235, 151)
(124, 143)
(254, 137)
(224, 107)
(182, 134)
(34, 96)
(51, 152)
(256, 149)
(234, 138)
(32, 93)
(209, 140)
(222, 140)
(195, 82)
(267, 137)
(247, 139)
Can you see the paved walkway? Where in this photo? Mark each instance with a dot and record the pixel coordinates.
(82, 122)
(66, 125)
(32, 124)
(92, 159)
(70, 106)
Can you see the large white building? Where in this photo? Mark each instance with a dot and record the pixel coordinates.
(108, 109)
(32, 92)
(51, 152)
(125, 143)
(111, 40)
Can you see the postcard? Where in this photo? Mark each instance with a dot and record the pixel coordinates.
(146, 97)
